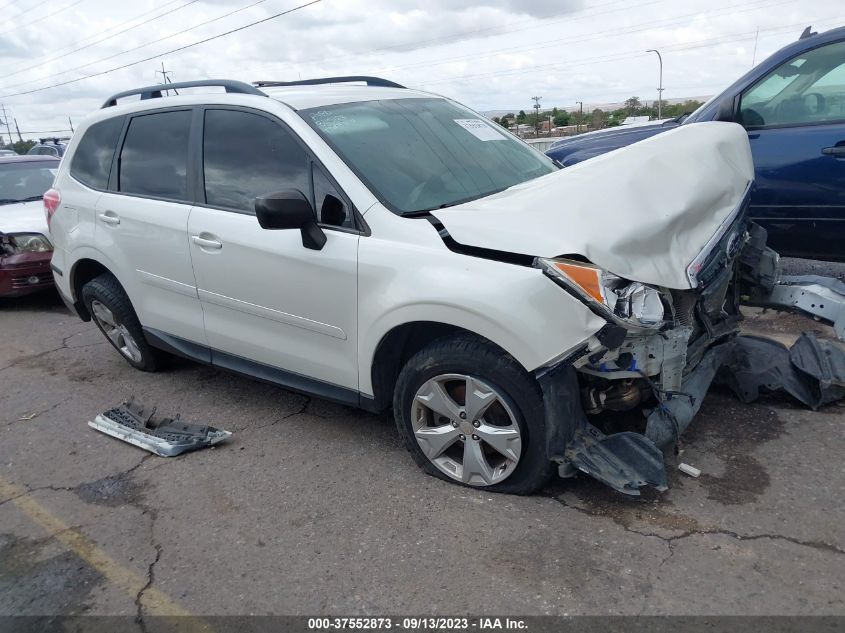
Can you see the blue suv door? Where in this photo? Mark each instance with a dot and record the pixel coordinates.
(795, 117)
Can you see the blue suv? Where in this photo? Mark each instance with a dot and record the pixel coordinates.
(793, 107)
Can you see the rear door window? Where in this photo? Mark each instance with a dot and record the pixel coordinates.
(246, 155)
(154, 158)
(92, 160)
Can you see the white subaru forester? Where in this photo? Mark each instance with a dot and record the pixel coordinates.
(384, 247)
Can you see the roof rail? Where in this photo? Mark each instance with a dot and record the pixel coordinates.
(370, 81)
(154, 92)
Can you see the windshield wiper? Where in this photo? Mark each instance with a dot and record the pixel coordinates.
(454, 203)
(421, 212)
(14, 200)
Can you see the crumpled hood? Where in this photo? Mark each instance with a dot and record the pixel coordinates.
(23, 217)
(643, 212)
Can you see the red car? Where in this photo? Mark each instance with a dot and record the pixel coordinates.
(25, 248)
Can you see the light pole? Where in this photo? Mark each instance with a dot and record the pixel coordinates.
(537, 115)
(660, 86)
(580, 116)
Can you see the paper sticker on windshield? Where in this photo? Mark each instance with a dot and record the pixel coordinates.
(480, 130)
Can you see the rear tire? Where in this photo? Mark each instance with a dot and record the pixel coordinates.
(442, 376)
(112, 311)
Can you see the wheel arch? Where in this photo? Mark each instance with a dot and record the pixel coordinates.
(399, 344)
(86, 267)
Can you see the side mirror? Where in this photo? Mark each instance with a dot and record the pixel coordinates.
(290, 209)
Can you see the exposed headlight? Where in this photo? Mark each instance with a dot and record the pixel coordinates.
(641, 304)
(18, 243)
(629, 303)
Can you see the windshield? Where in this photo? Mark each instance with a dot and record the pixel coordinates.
(20, 182)
(422, 154)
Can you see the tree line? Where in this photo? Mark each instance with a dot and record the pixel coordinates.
(21, 147)
(598, 118)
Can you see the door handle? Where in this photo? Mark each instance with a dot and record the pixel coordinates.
(206, 243)
(110, 218)
(836, 150)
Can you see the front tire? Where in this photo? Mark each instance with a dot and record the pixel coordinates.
(112, 311)
(470, 414)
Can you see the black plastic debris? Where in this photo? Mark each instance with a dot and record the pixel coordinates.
(135, 424)
(624, 461)
(811, 371)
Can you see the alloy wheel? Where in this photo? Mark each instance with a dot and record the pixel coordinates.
(467, 429)
(116, 332)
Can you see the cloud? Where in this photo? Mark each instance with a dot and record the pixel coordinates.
(490, 54)
(535, 8)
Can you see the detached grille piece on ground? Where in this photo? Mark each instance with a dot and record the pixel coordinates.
(167, 437)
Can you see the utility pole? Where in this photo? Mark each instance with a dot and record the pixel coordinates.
(580, 116)
(536, 101)
(754, 56)
(70, 123)
(660, 85)
(6, 123)
(20, 138)
(165, 77)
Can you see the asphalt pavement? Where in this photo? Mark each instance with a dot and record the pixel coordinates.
(315, 508)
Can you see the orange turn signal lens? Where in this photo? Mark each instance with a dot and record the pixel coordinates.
(586, 277)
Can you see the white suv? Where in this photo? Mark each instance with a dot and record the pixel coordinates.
(384, 247)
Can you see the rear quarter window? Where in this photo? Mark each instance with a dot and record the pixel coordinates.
(92, 160)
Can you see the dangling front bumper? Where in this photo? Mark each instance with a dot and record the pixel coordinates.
(812, 371)
(679, 364)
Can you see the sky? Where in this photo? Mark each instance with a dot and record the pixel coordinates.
(492, 55)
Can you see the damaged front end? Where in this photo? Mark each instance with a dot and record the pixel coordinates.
(663, 348)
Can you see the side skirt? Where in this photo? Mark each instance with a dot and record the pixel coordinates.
(259, 371)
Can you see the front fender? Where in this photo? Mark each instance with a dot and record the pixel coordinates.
(516, 307)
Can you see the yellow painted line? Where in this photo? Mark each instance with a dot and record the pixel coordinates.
(155, 602)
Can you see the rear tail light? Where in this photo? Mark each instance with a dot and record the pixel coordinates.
(52, 199)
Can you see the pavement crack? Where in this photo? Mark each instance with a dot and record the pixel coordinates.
(817, 545)
(34, 416)
(168, 460)
(64, 345)
(671, 540)
(299, 411)
(29, 491)
(23, 494)
(140, 463)
(152, 513)
(139, 598)
(594, 515)
(29, 357)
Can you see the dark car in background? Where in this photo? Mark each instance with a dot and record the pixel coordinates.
(576, 149)
(25, 248)
(793, 107)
